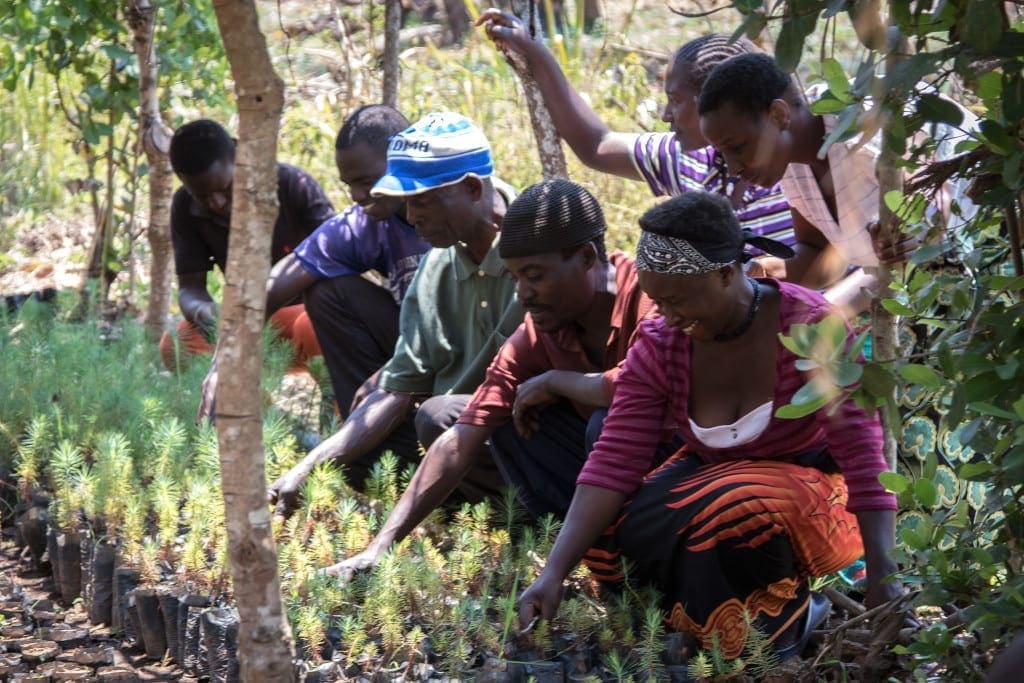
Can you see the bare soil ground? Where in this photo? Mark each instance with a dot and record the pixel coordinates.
(35, 589)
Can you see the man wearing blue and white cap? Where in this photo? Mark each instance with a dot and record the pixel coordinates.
(458, 310)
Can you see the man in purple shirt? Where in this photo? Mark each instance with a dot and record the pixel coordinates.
(355, 319)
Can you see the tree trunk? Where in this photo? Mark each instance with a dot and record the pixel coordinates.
(549, 145)
(392, 26)
(156, 138)
(885, 325)
(265, 647)
(458, 19)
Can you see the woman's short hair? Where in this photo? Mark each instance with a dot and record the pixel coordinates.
(696, 217)
(750, 83)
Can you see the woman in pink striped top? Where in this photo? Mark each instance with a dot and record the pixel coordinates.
(736, 522)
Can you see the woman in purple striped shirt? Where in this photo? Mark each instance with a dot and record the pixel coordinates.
(735, 523)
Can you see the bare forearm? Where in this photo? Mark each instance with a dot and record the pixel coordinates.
(574, 119)
(365, 429)
(287, 281)
(878, 531)
(446, 463)
(852, 295)
(811, 266)
(585, 389)
(593, 508)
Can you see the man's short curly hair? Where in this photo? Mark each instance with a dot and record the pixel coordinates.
(748, 82)
(198, 145)
(372, 125)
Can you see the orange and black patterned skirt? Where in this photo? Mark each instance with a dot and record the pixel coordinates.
(727, 540)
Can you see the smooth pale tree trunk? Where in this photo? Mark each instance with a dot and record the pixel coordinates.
(885, 325)
(392, 27)
(156, 138)
(265, 648)
(549, 145)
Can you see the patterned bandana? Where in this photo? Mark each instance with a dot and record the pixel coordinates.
(673, 256)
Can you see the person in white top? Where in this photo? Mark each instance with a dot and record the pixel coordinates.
(754, 114)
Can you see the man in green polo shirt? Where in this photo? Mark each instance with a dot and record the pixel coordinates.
(459, 309)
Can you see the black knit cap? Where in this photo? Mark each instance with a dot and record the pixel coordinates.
(552, 215)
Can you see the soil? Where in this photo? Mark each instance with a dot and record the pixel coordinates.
(38, 587)
(51, 254)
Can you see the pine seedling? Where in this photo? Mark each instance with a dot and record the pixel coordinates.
(29, 461)
(382, 485)
(508, 509)
(618, 667)
(169, 448)
(653, 644)
(321, 545)
(67, 472)
(761, 657)
(549, 528)
(134, 528)
(114, 479)
(206, 464)
(320, 490)
(309, 625)
(166, 497)
(149, 561)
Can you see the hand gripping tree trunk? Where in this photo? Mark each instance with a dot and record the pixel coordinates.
(265, 648)
(549, 145)
(156, 137)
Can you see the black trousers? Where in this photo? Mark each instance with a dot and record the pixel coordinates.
(356, 323)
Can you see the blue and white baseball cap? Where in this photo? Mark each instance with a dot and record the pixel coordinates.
(440, 149)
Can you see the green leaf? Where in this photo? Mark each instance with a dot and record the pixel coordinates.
(808, 393)
(993, 410)
(897, 308)
(990, 85)
(1012, 170)
(1013, 97)
(939, 109)
(838, 82)
(921, 374)
(996, 137)
(848, 373)
(1018, 407)
(789, 46)
(843, 127)
(896, 483)
(116, 52)
(827, 104)
(877, 380)
(924, 491)
(982, 25)
(806, 364)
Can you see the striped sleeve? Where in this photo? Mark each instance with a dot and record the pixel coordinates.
(625, 451)
(668, 169)
(766, 212)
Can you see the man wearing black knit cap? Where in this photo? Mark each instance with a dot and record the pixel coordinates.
(540, 402)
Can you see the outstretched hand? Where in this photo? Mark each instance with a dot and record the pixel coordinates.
(505, 29)
(285, 494)
(892, 249)
(208, 398)
(541, 600)
(346, 570)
